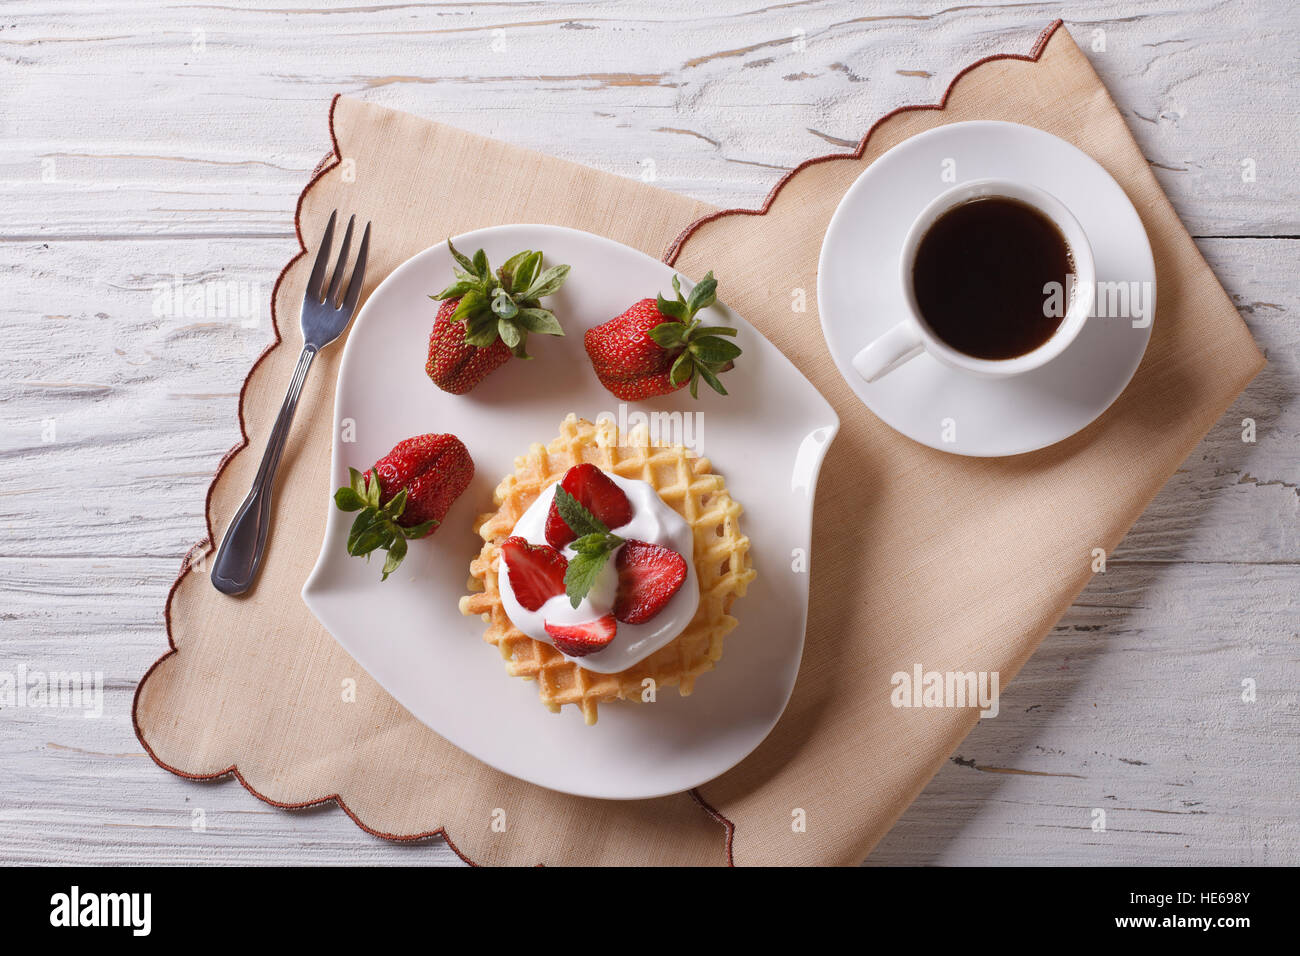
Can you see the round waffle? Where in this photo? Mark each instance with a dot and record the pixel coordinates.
(686, 484)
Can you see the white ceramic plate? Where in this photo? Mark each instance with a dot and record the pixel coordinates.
(767, 438)
(860, 296)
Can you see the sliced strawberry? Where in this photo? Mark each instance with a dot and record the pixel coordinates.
(536, 571)
(648, 576)
(597, 493)
(579, 640)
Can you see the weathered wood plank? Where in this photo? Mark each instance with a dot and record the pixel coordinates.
(217, 136)
(1133, 705)
(132, 157)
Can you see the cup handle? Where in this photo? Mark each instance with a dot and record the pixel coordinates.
(898, 345)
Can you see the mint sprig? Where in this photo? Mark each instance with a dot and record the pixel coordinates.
(575, 514)
(594, 544)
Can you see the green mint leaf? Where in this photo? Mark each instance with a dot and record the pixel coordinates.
(591, 552)
(581, 575)
(596, 542)
(589, 543)
(580, 521)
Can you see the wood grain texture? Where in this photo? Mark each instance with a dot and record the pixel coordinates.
(138, 153)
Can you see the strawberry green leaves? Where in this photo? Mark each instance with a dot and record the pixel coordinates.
(592, 549)
(503, 304)
(376, 527)
(538, 320)
(704, 352)
(547, 283)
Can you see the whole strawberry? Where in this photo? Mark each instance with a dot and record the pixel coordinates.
(405, 495)
(485, 318)
(658, 346)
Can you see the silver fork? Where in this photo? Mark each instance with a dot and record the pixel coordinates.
(324, 318)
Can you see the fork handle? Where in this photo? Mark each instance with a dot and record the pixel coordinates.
(240, 556)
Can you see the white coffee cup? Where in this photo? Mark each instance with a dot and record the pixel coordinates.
(912, 336)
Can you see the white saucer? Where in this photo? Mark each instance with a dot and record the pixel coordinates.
(859, 294)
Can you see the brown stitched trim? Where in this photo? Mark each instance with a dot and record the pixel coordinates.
(728, 827)
(674, 250)
(324, 160)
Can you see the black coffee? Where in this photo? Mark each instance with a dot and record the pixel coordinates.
(979, 276)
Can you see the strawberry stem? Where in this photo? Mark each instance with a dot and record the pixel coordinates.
(701, 351)
(504, 304)
(376, 527)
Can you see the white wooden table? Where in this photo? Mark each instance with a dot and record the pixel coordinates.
(146, 143)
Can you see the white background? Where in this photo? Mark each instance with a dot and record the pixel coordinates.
(144, 142)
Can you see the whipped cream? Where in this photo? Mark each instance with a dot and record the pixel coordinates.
(652, 521)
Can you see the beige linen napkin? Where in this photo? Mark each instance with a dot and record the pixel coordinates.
(920, 557)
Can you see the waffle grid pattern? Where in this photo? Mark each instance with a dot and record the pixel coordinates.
(688, 486)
